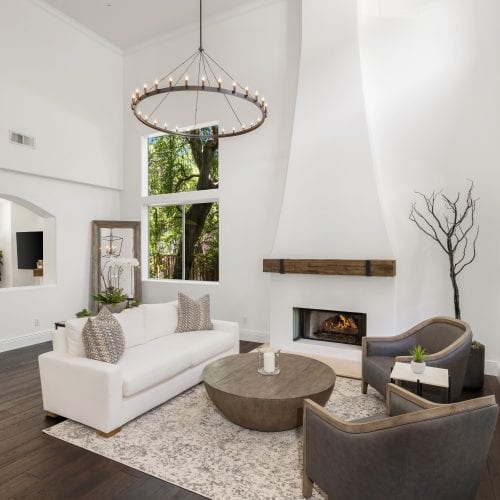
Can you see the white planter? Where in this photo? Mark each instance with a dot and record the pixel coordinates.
(418, 367)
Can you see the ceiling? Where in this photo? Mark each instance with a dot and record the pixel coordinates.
(127, 23)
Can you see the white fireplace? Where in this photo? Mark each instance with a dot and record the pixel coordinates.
(331, 207)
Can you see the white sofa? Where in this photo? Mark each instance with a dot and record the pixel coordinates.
(157, 365)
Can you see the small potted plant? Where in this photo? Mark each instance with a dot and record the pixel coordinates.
(84, 313)
(417, 363)
(113, 298)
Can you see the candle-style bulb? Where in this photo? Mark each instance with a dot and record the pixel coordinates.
(234, 87)
(170, 81)
(203, 82)
(223, 131)
(156, 84)
(145, 88)
(146, 117)
(234, 130)
(219, 83)
(165, 126)
(139, 113)
(186, 80)
(246, 91)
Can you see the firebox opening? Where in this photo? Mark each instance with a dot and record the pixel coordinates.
(331, 326)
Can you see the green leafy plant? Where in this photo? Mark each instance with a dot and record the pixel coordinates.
(418, 353)
(84, 313)
(476, 345)
(111, 295)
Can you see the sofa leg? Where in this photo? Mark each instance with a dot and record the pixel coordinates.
(50, 414)
(108, 434)
(364, 387)
(307, 487)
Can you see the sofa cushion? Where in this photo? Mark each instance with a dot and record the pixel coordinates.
(74, 328)
(193, 314)
(132, 323)
(147, 365)
(159, 319)
(103, 338)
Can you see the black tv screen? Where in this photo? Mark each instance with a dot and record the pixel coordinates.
(29, 249)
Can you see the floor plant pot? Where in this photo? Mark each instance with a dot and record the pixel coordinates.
(417, 367)
(474, 376)
(116, 308)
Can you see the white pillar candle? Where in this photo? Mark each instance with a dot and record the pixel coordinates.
(269, 362)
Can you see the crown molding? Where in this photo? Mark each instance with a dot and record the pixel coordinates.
(77, 26)
(194, 26)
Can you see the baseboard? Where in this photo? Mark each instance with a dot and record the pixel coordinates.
(492, 367)
(253, 336)
(25, 340)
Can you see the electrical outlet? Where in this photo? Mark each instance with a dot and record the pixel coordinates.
(37, 322)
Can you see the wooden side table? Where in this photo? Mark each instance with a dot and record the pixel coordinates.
(438, 377)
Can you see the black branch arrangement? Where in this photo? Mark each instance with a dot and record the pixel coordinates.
(451, 223)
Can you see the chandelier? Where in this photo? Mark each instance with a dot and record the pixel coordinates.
(149, 105)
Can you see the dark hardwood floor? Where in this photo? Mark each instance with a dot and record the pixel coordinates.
(34, 465)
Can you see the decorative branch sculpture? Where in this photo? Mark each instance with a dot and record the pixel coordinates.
(454, 230)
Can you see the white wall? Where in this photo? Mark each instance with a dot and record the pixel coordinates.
(65, 87)
(6, 243)
(260, 46)
(431, 84)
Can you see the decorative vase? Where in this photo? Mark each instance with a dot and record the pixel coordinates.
(417, 367)
(474, 376)
(269, 361)
(116, 308)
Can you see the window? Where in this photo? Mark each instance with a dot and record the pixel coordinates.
(182, 208)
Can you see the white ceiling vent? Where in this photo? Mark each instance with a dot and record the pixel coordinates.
(23, 140)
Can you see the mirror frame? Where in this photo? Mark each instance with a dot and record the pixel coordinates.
(97, 225)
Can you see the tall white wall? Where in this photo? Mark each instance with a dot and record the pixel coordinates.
(260, 45)
(431, 85)
(6, 243)
(63, 86)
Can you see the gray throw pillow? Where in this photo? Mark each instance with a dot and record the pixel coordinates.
(103, 338)
(192, 314)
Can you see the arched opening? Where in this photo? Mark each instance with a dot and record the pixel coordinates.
(27, 244)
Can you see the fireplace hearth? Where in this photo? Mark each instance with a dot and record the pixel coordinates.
(342, 327)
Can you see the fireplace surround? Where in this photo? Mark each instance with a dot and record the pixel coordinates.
(344, 327)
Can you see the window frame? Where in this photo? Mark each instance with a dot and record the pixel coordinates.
(170, 199)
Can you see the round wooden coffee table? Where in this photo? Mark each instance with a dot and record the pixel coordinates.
(265, 402)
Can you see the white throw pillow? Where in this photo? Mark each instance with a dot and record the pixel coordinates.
(160, 319)
(74, 328)
(132, 323)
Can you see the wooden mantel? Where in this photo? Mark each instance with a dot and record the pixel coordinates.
(343, 267)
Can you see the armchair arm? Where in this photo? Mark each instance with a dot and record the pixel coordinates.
(399, 401)
(387, 346)
(82, 389)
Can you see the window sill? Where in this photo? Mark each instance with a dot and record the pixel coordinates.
(181, 282)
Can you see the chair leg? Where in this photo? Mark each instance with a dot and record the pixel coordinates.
(108, 434)
(50, 414)
(307, 486)
(364, 387)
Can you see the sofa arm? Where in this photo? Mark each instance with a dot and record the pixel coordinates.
(228, 326)
(399, 401)
(84, 390)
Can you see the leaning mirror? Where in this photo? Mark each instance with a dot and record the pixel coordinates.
(116, 254)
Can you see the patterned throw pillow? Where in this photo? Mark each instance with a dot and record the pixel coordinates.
(103, 338)
(192, 314)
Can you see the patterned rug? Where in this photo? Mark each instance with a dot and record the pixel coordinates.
(187, 442)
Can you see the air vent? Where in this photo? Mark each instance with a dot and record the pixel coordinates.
(21, 139)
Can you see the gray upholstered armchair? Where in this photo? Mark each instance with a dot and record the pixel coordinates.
(418, 450)
(447, 342)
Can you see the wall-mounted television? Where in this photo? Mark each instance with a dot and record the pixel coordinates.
(29, 249)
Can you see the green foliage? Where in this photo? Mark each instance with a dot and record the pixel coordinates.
(84, 313)
(418, 353)
(477, 345)
(173, 168)
(111, 295)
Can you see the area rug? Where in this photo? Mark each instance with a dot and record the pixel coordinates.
(187, 442)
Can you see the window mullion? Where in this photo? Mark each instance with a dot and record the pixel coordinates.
(183, 242)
